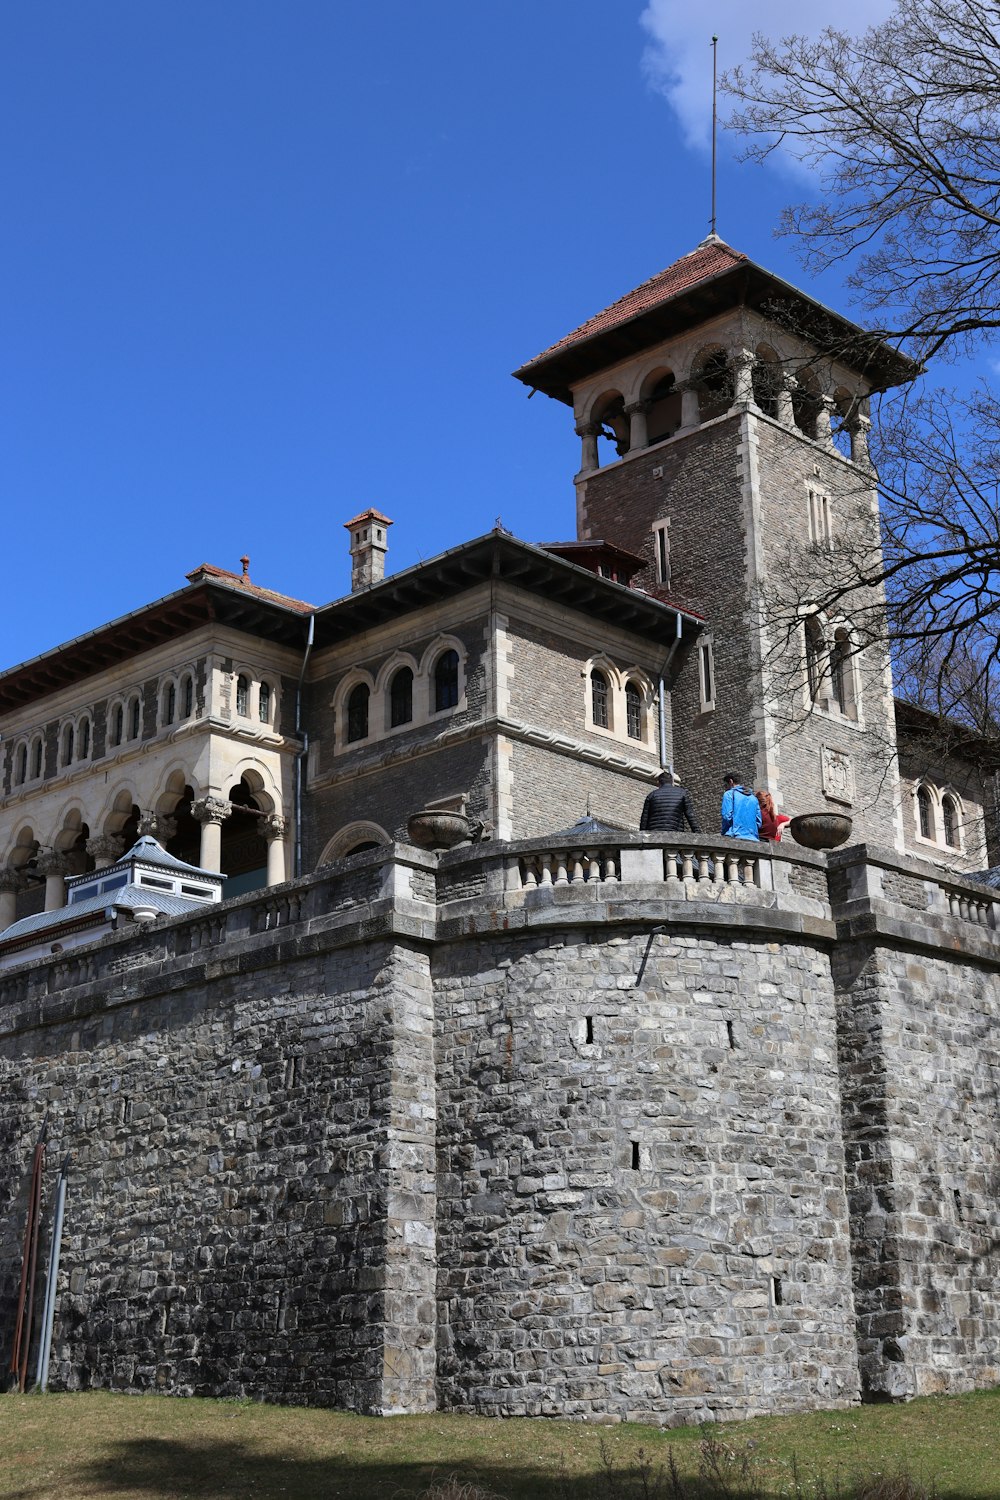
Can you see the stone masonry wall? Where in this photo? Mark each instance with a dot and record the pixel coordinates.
(641, 1202)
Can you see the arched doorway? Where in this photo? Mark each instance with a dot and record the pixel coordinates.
(244, 848)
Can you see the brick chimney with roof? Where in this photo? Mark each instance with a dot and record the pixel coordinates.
(369, 544)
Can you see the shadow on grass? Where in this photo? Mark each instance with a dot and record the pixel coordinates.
(210, 1470)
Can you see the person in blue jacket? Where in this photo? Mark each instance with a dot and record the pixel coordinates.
(740, 810)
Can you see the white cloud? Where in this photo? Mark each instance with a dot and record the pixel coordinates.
(678, 57)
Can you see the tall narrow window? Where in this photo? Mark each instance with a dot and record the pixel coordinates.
(133, 719)
(446, 681)
(117, 724)
(83, 748)
(661, 546)
(633, 711)
(925, 813)
(814, 657)
(950, 820)
(242, 696)
(67, 748)
(169, 703)
(706, 675)
(187, 696)
(841, 673)
(264, 703)
(401, 698)
(599, 699)
(819, 518)
(21, 765)
(36, 759)
(357, 713)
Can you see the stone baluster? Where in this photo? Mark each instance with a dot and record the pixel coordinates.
(638, 432)
(54, 865)
(11, 882)
(530, 878)
(576, 872)
(732, 868)
(210, 812)
(749, 872)
(545, 860)
(690, 408)
(703, 866)
(561, 876)
(610, 867)
(742, 366)
(859, 429)
(824, 420)
(687, 868)
(670, 861)
(274, 828)
(594, 867)
(105, 848)
(588, 432)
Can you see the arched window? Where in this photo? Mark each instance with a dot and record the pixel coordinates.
(187, 695)
(264, 703)
(83, 748)
(925, 813)
(949, 817)
(841, 674)
(664, 415)
(766, 378)
(612, 422)
(36, 758)
(814, 657)
(599, 699)
(133, 719)
(242, 696)
(357, 713)
(806, 403)
(67, 745)
(633, 711)
(401, 698)
(169, 703)
(21, 765)
(117, 728)
(446, 681)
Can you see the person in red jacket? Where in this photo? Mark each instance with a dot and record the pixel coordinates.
(771, 822)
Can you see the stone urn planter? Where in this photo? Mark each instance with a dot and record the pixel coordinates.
(431, 828)
(821, 830)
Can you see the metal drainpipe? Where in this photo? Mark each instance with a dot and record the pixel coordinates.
(663, 691)
(301, 754)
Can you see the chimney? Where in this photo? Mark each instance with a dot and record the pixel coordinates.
(369, 544)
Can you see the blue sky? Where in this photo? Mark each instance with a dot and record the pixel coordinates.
(266, 264)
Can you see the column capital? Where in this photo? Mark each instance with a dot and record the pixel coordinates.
(105, 846)
(588, 429)
(11, 879)
(52, 862)
(644, 406)
(211, 809)
(274, 826)
(156, 825)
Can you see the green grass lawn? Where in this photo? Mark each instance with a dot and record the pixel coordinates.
(65, 1447)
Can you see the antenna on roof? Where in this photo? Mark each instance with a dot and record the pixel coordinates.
(715, 122)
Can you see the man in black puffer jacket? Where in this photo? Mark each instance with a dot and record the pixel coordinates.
(669, 807)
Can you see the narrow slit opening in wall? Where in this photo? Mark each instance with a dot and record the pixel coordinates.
(635, 1156)
(293, 1071)
(279, 1317)
(126, 1111)
(590, 1028)
(730, 1034)
(958, 1205)
(165, 1319)
(776, 1293)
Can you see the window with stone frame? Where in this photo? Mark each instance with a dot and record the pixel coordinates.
(925, 813)
(68, 739)
(187, 695)
(37, 753)
(169, 706)
(134, 719)
(243, 696)
(633, 711)
(814, 657)
(949, 819)
(357, 712)
(83, 739)
(401, 698)
(20, 765)
(264, 703)
(599, 699)
(446, 681)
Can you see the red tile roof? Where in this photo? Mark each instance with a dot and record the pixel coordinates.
(209, 570)
(711, 258)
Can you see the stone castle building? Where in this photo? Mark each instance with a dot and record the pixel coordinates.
(571, 1119)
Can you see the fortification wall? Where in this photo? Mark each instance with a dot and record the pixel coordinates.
(624, 1130)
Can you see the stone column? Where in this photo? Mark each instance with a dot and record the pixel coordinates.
(824, 420)
(104, 849)
(588, 432)
(638, 434)
(742, 361)
(11, 881)
(859, 429)
(786, 389)
(690, 408)
(274, 827)
(156, 825)
(54, 866)
(210, 813)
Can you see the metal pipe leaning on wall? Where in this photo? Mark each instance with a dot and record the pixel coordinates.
(55, 1249)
